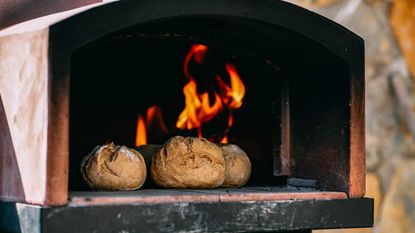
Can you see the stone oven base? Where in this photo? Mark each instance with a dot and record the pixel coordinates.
(221, 210)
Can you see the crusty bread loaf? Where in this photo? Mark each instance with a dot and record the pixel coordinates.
(111, 167)
(238, 166)
(187, 162)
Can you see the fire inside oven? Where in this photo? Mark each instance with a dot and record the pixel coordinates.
(150, 82)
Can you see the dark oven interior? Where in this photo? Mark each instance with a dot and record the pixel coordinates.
(296, 95)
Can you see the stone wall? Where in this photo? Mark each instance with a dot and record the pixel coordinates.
(388, 28)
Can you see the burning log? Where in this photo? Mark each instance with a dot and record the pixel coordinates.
(188, 163)
(237, 166)
(111, 167)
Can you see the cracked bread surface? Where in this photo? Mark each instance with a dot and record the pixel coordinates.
(187, 162)
(112, 167)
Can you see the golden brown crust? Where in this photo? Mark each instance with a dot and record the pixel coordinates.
(188, 163)
(111, 167)
(238, 166)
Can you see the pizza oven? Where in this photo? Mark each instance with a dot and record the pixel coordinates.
(284, 84)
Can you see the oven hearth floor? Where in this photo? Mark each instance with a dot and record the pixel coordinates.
(248, 209)
(201, 195)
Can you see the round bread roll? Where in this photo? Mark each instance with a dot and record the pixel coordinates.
(186, 162)
(111, 167)
(238, 166)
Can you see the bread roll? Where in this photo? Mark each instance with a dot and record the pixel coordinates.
(237, 166)
(186, 162)
(111, 167)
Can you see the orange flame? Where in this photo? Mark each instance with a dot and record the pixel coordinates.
(198, 52)
(155, 117)
(225, 139)
(197, 109)
(141, 132)
(233, 95)
(237, 90)
(153, 120)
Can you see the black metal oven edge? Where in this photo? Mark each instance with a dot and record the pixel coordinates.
(263, 216)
